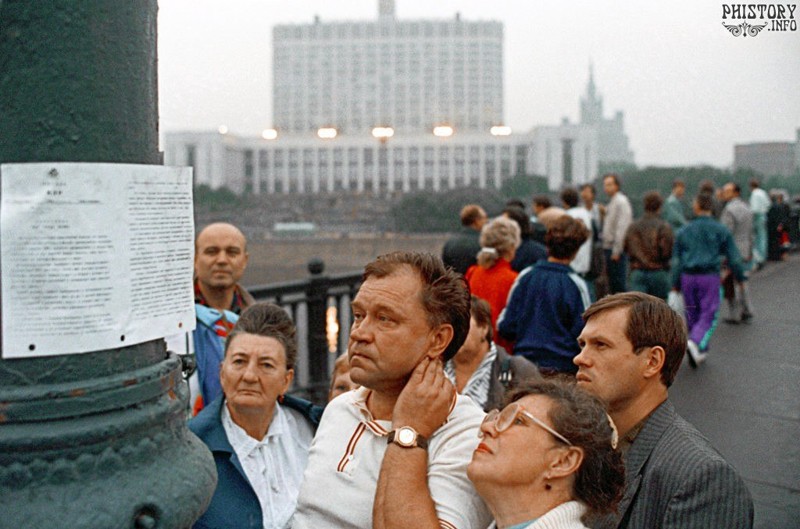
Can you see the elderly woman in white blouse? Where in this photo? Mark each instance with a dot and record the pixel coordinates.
(259, 436)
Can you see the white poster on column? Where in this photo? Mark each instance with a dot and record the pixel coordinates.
(94, 256)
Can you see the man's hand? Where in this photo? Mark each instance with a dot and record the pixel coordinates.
(425, 401)
(615, 257)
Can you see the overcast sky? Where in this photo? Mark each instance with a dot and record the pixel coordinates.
(690, 90)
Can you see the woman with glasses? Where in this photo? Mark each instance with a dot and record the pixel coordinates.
(548, 460)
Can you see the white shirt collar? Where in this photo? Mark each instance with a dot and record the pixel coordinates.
(241, 442)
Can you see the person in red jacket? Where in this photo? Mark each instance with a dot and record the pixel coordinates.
(492, 277)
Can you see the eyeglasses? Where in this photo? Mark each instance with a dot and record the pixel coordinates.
(504, 419)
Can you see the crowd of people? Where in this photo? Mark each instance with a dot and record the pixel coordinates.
(484, 390)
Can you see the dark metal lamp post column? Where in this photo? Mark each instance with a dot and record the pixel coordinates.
(95, 440)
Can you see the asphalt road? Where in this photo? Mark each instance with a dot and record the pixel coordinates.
(746, 397)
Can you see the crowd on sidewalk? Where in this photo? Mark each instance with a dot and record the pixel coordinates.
(519, 381)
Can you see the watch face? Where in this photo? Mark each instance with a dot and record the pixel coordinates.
(406, 436)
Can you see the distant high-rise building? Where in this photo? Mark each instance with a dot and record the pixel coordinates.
(769, 158)
(612, 142)
(410, 75)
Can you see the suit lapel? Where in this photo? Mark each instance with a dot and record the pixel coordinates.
(640, 452)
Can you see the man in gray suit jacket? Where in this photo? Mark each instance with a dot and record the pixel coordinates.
(631, 349)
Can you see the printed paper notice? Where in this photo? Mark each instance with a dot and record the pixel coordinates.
(94, 256)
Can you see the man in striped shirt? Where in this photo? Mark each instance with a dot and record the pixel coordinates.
(394, 452)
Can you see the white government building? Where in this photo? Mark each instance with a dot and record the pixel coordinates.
(395, 105)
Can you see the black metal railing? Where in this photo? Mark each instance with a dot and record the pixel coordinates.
(322, 332)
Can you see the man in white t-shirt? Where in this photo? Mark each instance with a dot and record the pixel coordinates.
(759, 205)
(394, 452)
(582, 261)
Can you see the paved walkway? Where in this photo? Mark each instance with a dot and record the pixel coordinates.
(746, 397)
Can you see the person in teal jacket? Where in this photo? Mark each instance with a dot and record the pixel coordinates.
(699, 249)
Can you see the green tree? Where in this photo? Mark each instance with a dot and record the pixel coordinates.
(222, 199)
(524, 186)
(427, 212)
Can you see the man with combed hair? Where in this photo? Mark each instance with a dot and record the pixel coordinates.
(459, 252)
(631, 349)
(394, 452)
(619, 216)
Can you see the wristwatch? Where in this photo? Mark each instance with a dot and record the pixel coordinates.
(407, 437)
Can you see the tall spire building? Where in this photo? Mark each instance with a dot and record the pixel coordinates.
(613, 151)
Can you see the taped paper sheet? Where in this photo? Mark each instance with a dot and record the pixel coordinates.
(94, 256)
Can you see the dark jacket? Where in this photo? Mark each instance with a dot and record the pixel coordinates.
(507, 372)
(528, 254)
(460, 252)
(543, 315)
(648, 243)
(675, 478)
(234, 503)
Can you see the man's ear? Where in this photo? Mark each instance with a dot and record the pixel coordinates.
(440, 338)
(655, 358)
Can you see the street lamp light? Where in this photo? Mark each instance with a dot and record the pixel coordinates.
(223, 129)
(382, 133)
(500, 130)
(443, 131)
(327, 133)
(269, 134)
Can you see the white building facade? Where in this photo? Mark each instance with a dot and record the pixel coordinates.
(305, 164)
(410, 75)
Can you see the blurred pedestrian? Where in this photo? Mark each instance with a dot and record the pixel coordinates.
(737, 217)
(583, 259)
(778, 218)
(492, 277)
(597, 211)
(530, 251)
(460, 250)
(698, 249)
(673, 207)
(543, 315)
(619, 216)
(545, 211)
(759, 205)
(648, 244)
